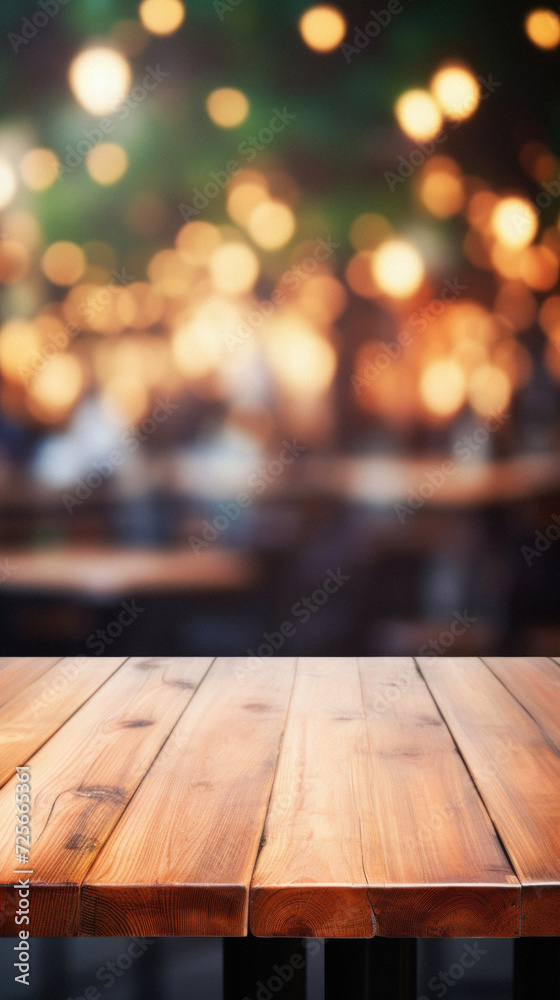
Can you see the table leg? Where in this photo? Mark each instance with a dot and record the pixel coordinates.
(536, 968)
(264, 968)
(377, 969)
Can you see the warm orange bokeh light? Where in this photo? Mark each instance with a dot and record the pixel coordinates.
(368, 230)
(398, 268)
(20, 344)
(64, 263)
(161, 17)
(514, 222)
(441, 189)
(197, 241)
(55, 388)
(418, 115)
(271, 224)
(39, 168)
(106, 163)
(542, 26)
(227, 107)
(8, 183)
(303, 362)
(457, 92)
(442, 387)
(322, 28)
(489, 390)
(234, 268)
(244, 197)
(100, 78)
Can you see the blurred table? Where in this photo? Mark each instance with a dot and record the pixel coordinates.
(104, 571)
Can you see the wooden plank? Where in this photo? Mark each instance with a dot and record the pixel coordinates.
(516, 767)
(535, 682)
(180, 860)
(309, 879)
(33, 715)
(16, 672)
(82, 780)
(374, 824)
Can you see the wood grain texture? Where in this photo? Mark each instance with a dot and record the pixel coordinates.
(374, 824)
(535, 682)
(41, 707)
(516, 766)
(17, 672)
(82, 780)
(201, 808)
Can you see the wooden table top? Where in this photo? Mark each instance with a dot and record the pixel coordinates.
(110, 571)
(330, 797)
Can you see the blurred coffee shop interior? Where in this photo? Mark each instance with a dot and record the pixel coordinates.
(280, 329)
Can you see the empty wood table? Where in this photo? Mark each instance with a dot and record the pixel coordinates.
(336, 798)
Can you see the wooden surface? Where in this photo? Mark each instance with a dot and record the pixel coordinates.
(105, 571)
(337, 797)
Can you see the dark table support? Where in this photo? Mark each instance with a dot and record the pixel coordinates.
(536, 968)
(378, 969)
(264, 968)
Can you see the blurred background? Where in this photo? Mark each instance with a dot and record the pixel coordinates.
(280, 329)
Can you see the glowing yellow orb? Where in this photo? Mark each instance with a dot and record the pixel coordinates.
(398, 268)
(322, 28)
(457, 92)
(542, 27)
(99, 78)
(418, 115)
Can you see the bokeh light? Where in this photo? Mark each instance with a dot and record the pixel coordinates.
(441, 188)
(234, 268)
(443, 387)
(418, 115)
(8, 182)
(227, 107)
(63, 263)
(457, 92)
(55, 388)
(106, 163)
(398, 268)
(489, 390)
(543, 28)
(514, 222)
(100, 78)
(322, 27)
(271, 224)
(161, 17)
(39, 169)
